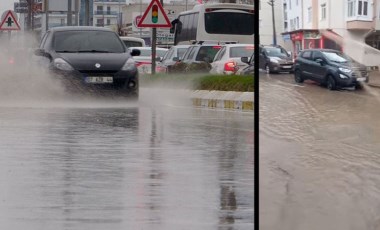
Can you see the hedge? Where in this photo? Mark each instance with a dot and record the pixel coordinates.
(241, 83)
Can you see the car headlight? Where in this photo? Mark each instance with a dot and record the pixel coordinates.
(61, 64)
(274, 60)
(130, 64)
(344, 70)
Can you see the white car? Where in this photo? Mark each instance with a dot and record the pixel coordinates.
(144, 60)
(228, 58)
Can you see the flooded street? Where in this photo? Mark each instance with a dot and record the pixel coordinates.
(155, 164)
(319, 156)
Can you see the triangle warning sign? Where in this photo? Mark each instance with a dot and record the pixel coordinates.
(154, 16)
(9, 22)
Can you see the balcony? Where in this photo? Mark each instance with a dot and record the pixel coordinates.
(360, 25)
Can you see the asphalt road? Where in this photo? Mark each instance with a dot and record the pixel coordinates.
(69, 163)
(319, 156)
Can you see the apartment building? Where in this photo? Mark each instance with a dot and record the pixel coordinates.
(348, 25)
(107, 12)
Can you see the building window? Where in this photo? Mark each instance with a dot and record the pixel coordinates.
(62, 21)
(363, 7)
(290, 4)
(323, 11)
(351, 8)
(296, 2)
(309, 14)
(298, 23)
(108, 21)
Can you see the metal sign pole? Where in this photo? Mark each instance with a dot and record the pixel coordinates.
(154, 40)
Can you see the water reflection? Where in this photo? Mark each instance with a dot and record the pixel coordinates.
(125, 168)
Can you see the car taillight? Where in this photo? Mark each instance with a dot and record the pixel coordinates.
(160, 69)
(230, 66)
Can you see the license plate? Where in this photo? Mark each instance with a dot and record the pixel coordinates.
(360, 79)
(99, 80)
(287, 67)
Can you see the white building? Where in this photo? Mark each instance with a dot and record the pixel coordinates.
(266, 24)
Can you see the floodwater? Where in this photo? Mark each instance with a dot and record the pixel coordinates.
(319, 156)
(99, 164)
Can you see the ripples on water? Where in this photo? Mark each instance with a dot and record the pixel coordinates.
(320, 157)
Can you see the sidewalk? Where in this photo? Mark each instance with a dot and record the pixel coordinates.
(374, 78)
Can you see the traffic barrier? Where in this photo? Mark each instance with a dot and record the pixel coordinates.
(242, 101)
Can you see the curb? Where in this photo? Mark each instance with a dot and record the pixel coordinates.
(242, 101)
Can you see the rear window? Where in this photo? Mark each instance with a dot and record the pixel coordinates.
(81, 41)
(229, 23)
(306, 54)
(132, 43)
(246, 51)
(207, 51)
(159, 53)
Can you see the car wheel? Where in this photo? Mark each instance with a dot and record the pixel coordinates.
(358, 86)
(298, 76)
(331, 84)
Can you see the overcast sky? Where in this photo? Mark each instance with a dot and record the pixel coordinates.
(6, 5)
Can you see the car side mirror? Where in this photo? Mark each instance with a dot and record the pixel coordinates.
(244, 59)
(41, 53)
(158, 58)
(135, 52)
(175, 59)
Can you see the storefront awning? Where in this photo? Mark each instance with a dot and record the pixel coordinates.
(329, 34)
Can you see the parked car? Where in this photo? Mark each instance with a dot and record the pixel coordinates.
(228, 58)
(275, 59)
(329, 67)
(171, 57)
(144, 60)
(85, 57)
(197, 58)
(133, 41)
(250, 68)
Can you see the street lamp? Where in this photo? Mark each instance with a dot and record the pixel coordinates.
(271, 3)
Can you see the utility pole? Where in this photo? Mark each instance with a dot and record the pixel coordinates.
(69, 13)
(271, 3)
(87, 12)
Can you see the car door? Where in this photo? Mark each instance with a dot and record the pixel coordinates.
(217, 64)
(304, 63)
(318, 66)
(262, 58)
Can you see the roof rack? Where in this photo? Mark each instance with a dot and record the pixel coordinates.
(194, 42)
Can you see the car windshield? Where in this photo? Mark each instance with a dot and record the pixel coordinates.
(337, 57)
(87, 41)
(276, 52)
(245, 51)
(181, 52)
(207, 52)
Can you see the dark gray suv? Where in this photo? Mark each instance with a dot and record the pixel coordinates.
(329, 67)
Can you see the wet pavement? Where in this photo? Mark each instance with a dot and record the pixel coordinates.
(155, 164)
(319, 156)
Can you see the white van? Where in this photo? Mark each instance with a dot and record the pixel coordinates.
(133, 41)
